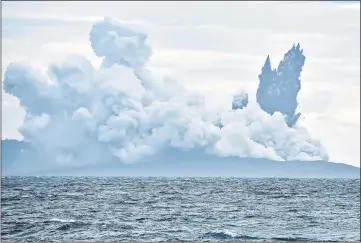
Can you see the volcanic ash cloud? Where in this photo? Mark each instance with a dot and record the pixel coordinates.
(77, 114)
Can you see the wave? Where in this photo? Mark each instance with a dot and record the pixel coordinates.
(227, 236)
(297, 239)
(62, 220)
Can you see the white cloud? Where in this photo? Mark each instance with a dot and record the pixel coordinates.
(341, 139)
(12, 117)
(216, 55)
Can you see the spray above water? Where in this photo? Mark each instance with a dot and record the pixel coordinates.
(77, 114)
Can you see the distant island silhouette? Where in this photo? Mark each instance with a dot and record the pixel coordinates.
(178, 163)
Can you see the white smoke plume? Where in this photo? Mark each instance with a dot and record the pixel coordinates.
(77, 114)
(240, 100)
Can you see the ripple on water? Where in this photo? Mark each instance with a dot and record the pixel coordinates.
(178, 209)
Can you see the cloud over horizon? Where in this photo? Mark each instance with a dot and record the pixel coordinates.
(77, 113)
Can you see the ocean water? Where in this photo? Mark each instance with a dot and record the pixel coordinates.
(179, 209)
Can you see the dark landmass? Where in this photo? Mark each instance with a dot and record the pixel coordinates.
(190, 164)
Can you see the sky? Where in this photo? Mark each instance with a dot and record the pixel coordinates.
(212, 47)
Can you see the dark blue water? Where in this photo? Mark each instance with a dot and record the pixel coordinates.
(179, 209)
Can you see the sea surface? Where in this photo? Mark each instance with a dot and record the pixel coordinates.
(179, 209)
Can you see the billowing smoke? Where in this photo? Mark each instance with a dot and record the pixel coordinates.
(240, 100)
(118, 44)
(77, 114)
(278, 89)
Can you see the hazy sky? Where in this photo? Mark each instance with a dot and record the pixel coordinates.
(214, 47)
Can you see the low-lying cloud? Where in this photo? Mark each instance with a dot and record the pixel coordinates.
(77, 114)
